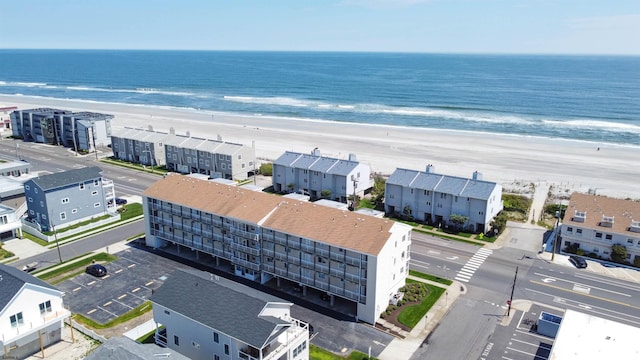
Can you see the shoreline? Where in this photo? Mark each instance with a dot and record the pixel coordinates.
(612, 169)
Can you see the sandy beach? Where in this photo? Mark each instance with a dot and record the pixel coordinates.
(570, 165)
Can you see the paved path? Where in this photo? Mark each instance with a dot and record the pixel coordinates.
(539, 198)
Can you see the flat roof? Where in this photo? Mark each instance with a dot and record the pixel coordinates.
(585, 337)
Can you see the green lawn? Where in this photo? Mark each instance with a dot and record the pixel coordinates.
(132, 314)
(72, 266)
(318, 353)
(411, 315)
(430, 277)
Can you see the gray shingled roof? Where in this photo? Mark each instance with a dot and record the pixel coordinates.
(305, 161)
(457, 186)
(323, 164)
(64, 178)
(121, 348)
(12, 280)
(287, 158)
(343, 167)
(217, 306)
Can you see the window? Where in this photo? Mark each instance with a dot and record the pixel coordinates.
(176, 340)
(226, 349)
(569, 229)
(599, 235)
(44, 217)
(26, 187)
(45, 307)
(16, 320)
(224, 166)
(94, 193)
(30, 199)
(96, 182)
(239, 157)
(629, 241)
(65, 200)
(41, 203)
(167, 312)
(579, 231)
(216, 357)
(74, 211)
(175, 157)
(63, 216)
(608, 236)
(81, 186)
(216, 339)
(96, 205)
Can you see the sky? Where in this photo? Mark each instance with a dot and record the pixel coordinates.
(424, 26)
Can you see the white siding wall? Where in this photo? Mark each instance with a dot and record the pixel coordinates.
(27, 302)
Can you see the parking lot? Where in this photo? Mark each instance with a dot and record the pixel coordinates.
(128, 283)
(519, 340)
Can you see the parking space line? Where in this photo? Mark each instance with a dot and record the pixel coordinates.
(91, 283)
(107, 303)
(149, 283)
(105, 277)
(136, 289)
(105, 310)
(76, 289)
(122, 296)
(118, 271)
(91, 311)
(123, 304)
(132, 265)
(535, 356)
(531, 344)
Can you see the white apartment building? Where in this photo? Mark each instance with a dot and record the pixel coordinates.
(221, 321)
(311, 174)
(360, 259)
(433, 198)
(31, 313)
(595, 223)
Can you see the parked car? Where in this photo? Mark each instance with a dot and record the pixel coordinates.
(30, 267)
(121, 201)
(578, 262)
(96, 270)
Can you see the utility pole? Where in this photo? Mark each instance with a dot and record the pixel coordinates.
(55, 235)
(555, 237)
(513, 287)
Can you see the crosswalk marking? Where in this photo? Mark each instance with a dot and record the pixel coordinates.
(473, 264)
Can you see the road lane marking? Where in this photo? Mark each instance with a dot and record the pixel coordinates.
(581, 284)
(122, 296)
(91, 311)
(587, 295)
(134, 290)
(626, 285)
(91, 283)
(107, 303)
(76, 289)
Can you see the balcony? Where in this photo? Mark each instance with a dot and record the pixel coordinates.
(281, 272)
(336, 289)
(322, 268)
(281, 240)
(352, 277)
(268, 267)
(338, 256)
(245, 249)
(322, 252)
(161, 337)
(267, 252)
(307, 248)
(245, 234)
(306, 280)
(245, 263)
(308, 264)
(293, 260)
(337, 272)
(351, 295)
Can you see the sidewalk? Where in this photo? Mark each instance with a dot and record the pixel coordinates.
(404, 348)
(594, 267)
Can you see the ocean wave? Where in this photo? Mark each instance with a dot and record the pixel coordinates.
(472, 115)
(22, 84)
(608, 126)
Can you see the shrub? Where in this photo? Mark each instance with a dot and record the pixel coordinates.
(266, 169)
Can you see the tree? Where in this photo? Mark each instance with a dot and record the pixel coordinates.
(266, 169)
(458, 220)
(499, 222)
(406, 212)
(290, 186)
(325, 194)
(619, 253)
(377, 192)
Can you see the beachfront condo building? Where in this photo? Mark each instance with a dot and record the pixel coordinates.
(214, 158)
(321, 177)
(31, 314)
(225, 320)
(82, 131)
(140, 146)
(593, 224)
(68, 197)
(432, 198)
(357, 259)
(5, 119)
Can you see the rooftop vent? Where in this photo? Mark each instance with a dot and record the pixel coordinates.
(580, 216)
(607, 221)
(635, 226)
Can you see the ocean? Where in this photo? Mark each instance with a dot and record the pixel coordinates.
(588, 98)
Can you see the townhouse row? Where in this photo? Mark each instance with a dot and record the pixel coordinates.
(184, 154)
(78, 130)
(262, 237)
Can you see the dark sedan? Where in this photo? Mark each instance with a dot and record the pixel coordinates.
(96, 270)
(578, 262)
